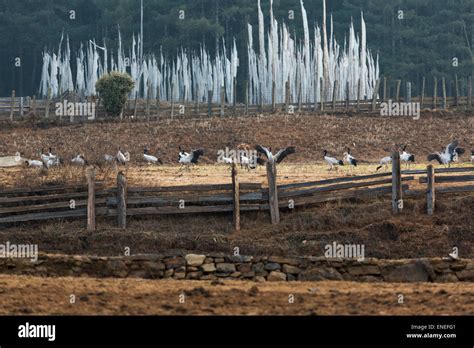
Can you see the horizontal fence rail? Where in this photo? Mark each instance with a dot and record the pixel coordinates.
(75, 201)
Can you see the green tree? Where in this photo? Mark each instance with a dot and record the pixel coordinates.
(114, 89)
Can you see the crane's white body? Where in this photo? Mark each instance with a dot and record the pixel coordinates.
(79, 160)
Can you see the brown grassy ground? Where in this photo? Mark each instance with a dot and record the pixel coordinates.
(22, 295)
(302, 232)
(170, 175)
(310, 134)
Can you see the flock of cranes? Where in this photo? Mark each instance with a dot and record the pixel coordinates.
(245, 158)
(249, 160)
(446, 156)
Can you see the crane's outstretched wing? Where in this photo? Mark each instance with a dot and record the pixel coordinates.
(263, 150)
(451, 147)
(434, 156)
(280, 156)
(196, 154)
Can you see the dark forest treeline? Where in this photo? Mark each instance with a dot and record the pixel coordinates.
(414, 38)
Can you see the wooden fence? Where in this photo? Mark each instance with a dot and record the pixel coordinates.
(93, 200)
(18, 108)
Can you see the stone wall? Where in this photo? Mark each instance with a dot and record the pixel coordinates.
(256, 268)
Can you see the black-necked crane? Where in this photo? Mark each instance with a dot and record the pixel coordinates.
(109, 158)
(406, 157)
(226, 160)
(35, 164)
(450, 154)
(384, 162)
(350, 160)
(122, 157)
(250, 161)
(189, 158)
(472, 156)
(79, 160)
(332, 161)
(278, 157)
(49, 160)
(150, 158)
(47, 156)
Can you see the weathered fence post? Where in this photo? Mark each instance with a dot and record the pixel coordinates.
(359, 88)
(121, 200)
(48, 101)
(397, 201)
(273, 97)
(408, 92)
(430, 195)
(172, 101)
(196, 103)
(445, 102)
(12, 105)
(469, 92)
(157, 102)
(435, 92)
(34, 106)
(300, 98)
(422, 93)
(148, 99)
(456, 89)
(21, 107)
(234, 101)
(209, 103)
(321, 93)
(90, 175)
(71, 116)
(236, 197)
(246, 98)
(315, 92)
(334, 94)
(287, 97)
(348, 98)
(135, 106)
(374, 96)
(97, 106)
(273, 192)
(397, 91)
(222, 101)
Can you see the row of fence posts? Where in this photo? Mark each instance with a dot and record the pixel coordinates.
(397, 191)
(335, 92)
(29, 101)
(271, 169)
(121, 200)
(321, 106)
(122, 197)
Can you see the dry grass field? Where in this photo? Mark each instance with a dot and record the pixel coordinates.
(368, 136)
(23, 295)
